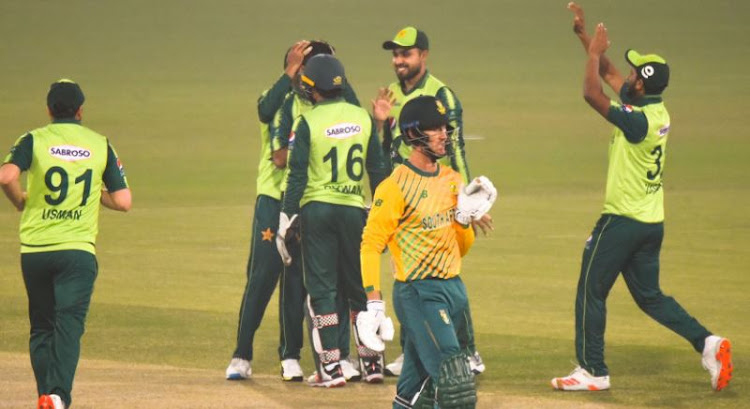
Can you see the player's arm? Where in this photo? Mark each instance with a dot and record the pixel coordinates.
(607, 70)
(387, 208)
(377, 168)
(455, 120)
(464, 236)
(117, 195)
(17, 161)
(281, 127)
(592, 86)
(299, 160)
(632, 122)
(271, 100)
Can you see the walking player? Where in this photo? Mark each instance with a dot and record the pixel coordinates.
(424, 202)
(71, 171)
(331, 147)
(628, 236)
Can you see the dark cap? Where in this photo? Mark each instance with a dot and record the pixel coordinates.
(408, 37)
(64, 98)
(324, 72)
(650, 68)
(423, 112)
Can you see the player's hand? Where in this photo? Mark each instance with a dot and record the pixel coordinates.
(287, 227)
(579, 23)
(484, 223)
(374, 327)
(475, 200)
(382, 104)
(600, 42)
(295, 57)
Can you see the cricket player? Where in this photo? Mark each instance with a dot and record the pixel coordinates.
(264, 267)
(331, 147)
(627, 238)
(72, 170)
(295, 104)
(424, 202)
(410, 49)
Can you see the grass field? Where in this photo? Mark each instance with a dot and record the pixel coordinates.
(173, 84)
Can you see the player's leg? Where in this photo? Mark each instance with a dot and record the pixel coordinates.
(465, 332)
(74, 285)
(37, 276)
(351, 223)
(642, 279)
(263, 269)
(319, 242)
(292, 295)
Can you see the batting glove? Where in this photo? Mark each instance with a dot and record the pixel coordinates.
(374, 327)
(475, 200)
(286, 226)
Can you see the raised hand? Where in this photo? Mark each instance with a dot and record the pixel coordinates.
(600, 42)
(295, 56)
(382, 104)
(579, 23)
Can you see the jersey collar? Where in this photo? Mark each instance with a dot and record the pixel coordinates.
(66, 121)
(420, 172)
(419, 84)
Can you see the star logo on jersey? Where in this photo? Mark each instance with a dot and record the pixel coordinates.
(267, 234)
(444, 316)
(379, 202)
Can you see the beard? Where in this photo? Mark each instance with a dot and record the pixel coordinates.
(409, 74)
(630, 91)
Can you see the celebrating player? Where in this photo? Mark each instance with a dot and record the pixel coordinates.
(628, 236)
(331, 147)
(424, 202)
(410, 49)
(67, 164)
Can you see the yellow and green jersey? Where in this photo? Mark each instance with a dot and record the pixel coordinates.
(270, 177)
(67, 164)
(413, 213)
(637, 155)
(398, 151)
(330, 148)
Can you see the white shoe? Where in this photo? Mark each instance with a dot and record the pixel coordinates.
(351, 374)
(394, 368)
(331, 378)
(475, 363)
(291, 371)
(239, 369)
(717, 360)
(50, 402)
(581, 380)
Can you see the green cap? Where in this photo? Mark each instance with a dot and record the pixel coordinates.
(64, 98)
(650, 68)
(408, 37)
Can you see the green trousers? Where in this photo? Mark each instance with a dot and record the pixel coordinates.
(264, 270)
(429, 311)
(622, 245)
(331, 237)
(59, 285)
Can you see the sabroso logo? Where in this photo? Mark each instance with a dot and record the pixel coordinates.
(343, 130)
(69, 153)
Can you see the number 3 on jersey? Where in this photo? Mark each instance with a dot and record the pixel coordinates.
(354, 163)
(657, 151)
(56, 180)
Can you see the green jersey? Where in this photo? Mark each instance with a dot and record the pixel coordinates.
(394, 145)
(637, 155)
(66, 165)
(269, 176)
(330, 148)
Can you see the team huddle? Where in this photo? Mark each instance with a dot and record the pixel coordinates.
(315, 236)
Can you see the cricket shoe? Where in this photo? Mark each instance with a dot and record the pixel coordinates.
(394, 368)
(717, 360)
(581, 380)
(351, 374)
(238, 369)
(50, 402)
(372, 369)
(330, 377)
(291, 371)
(475, 363)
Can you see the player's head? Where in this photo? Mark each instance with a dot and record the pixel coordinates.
(317, 47)
(323, 74)
(410, 48)
(649, 74)
(64, 99)
(424, 125)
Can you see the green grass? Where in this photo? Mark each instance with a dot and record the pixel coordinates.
(174, 83)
